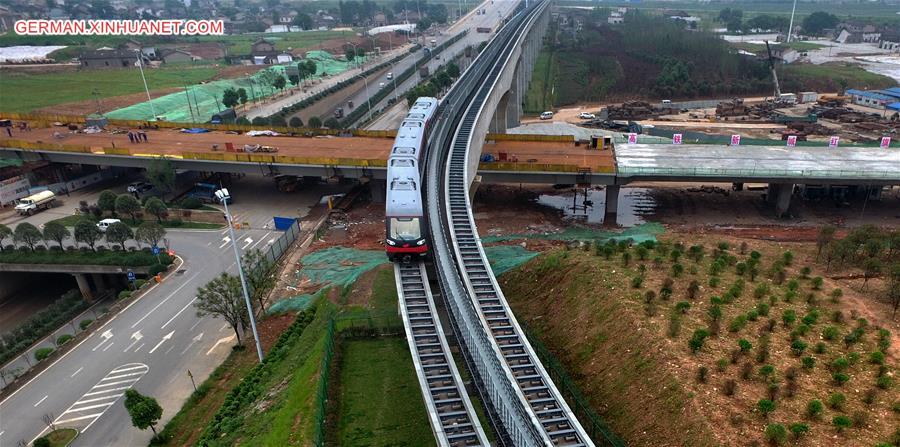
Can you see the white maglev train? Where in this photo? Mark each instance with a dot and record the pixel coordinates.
(404, 213)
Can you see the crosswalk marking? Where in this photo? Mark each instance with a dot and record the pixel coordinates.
(107, 392)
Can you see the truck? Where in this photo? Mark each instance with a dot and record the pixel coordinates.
(787, 98)
(433, 43)
(806, 97)
(483, 29)
(35, 202)
(206, 193)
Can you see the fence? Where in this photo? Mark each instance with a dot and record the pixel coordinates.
(632, 171)
(598, 430)
(283, 242)
(322, 387)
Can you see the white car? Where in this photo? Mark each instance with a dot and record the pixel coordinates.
(390, 76)
(586, 116)
(547, 115)
(139, 187)
(104, 224)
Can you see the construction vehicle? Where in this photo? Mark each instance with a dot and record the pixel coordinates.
(35, 202)
(734, 107)
(832, 100)
(781, 118)
(774, 74)
(255, 148)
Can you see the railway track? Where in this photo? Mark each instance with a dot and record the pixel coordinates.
(450, 412)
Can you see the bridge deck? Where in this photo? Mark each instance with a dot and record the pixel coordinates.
(564, 155)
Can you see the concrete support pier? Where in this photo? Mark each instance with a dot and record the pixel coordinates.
(84, 286)
(99, 282)
(378, 190)
(612, 205)
(779, 194)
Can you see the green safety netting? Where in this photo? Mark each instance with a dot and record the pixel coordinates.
(640, 233)
(335, 266)
(206, 99)
(504, 258)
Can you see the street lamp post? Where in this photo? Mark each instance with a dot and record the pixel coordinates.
(140, 58)
(368, 98)
(223, 196)
(355, 54)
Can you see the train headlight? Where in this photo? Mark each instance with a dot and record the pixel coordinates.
(390, 242)
(421, 242)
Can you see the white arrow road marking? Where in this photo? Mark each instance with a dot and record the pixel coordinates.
(195, 340)
(106, 335)
(179, 313)
(136, 337)
(225, 241)
(247, 243)
(165, 337)
(271, 241)
(261, 239)
(220, 341)
(164, 300)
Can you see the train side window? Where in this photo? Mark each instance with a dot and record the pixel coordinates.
(404, 151)
(403, 163)
(403, 185)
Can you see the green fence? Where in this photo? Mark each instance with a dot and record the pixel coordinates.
(596, 428)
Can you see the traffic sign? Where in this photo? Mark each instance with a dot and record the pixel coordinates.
(885, 142)
(131, 275)
(833, 141)
(676, 138)
(155, 250)
(791, 140)
(735, 140)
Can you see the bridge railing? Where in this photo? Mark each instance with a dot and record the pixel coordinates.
(638, 171)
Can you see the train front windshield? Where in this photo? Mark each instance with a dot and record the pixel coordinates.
(405, 229)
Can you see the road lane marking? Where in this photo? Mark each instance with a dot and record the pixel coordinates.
(195, 325)
(98, 399)
(121, 370)
(40, 401)
(179, 313)
(247, 243)
(106, 336)
(76, 372)
(107, 391)
(79, 418)
(193, 341)
(165, 337)
(225, 241)
(261, 239)
(108, 346)
(90, 407)
(220, 341)
(169, 350)
(120, 376)
(166, 299)
(139, 347)
(101, 385)
(223, 327)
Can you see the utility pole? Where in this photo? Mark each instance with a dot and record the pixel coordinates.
(140, 58)
(791, 26)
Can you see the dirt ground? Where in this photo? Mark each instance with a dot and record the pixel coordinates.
(106, 104)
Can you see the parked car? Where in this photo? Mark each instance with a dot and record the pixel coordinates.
(586, 116)
(105, 223)
(547, 115)
(139, 187)
(390, 76)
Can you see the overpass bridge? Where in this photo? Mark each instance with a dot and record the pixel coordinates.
(90, 278)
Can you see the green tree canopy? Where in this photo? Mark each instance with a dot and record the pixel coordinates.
(156, 207)
(144, 410)
(127, 204)
(55, 231)
(161, 174)
(5, 233)
(86, 232)
(222, 297)
(118, 233)
(27, 234)
(817, 22)
(107, 201)
(150, 233)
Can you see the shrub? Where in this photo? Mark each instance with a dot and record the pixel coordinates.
(876, 357)
(156, 269)
(830, 333)
(811, 318)
(125, 294)
(746, 371)
(798, 346)
(884, 382)
(760, 290)
(884, 339)
(817, 283)
(836, 400)
(139, 283)
(765, 406)
(737, 323)
(674, 324)
(819, 348)
(714, 281)
(730, 387)
(841, 423)
(682, 307)
(752, 315)
(63, 339)
(696, 341)
(869, 396)
(721, 365)
(42, 442)
(191, 203)
(766, 371)
(840, 364)
(788, 317)
(895, 407)
(787, 257)
(776, 434)
(836, 295)
(702, 373)
(805, 271)
(637, 281)
(798, 429)
(762, 309)
(840, 378)
(793, 285)
(42, 353)
(85, 323)
(745, 345)
(814, 408)
(808, 362)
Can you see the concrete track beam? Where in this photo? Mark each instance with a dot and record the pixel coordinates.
(612, 205)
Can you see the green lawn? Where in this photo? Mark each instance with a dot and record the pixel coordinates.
(27, 92)
(855, 76)
(540, 94)
(756, 47)
(70, 221)
(61, 437)
(104, 257)
(380, 402)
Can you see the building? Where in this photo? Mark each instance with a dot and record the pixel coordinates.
(615, 18)
(889, 40)
(263, 52)
(177, 56)
(8, 19)
(110, 58)
(878, 99)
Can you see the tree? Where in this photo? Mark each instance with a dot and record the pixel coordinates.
(279, 82)
(278, 120)
(161, 174)
(315, 122)
(294, 79)
(311, 67)
(86, 232)
(230, 97)
(107, 201)
(127, 204)
(453, 70)
(871, 269)
(242, 95)
(144, 410)
(304, 21)
(818, 22)
(424, 24)
(28, 234)
(841, 423)
(258, 272)
(221, 297)
(55, 231)
(825, 236)
(150, 233)
(349, 53)
(260, 121)
(156, 207)
(5, 232)
(118, 233)
(296, 122)
(332, 123)
(776, 434)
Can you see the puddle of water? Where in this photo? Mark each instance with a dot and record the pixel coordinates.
(634, 205)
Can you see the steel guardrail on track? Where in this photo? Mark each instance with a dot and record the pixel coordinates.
(450, 413)
(515, 387)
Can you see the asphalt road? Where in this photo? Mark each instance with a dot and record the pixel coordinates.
(151, 344)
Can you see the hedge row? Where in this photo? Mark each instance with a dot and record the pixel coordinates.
(308, 101)
(102, 256)
(39, 325)
(362, 109)
(239, 399)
